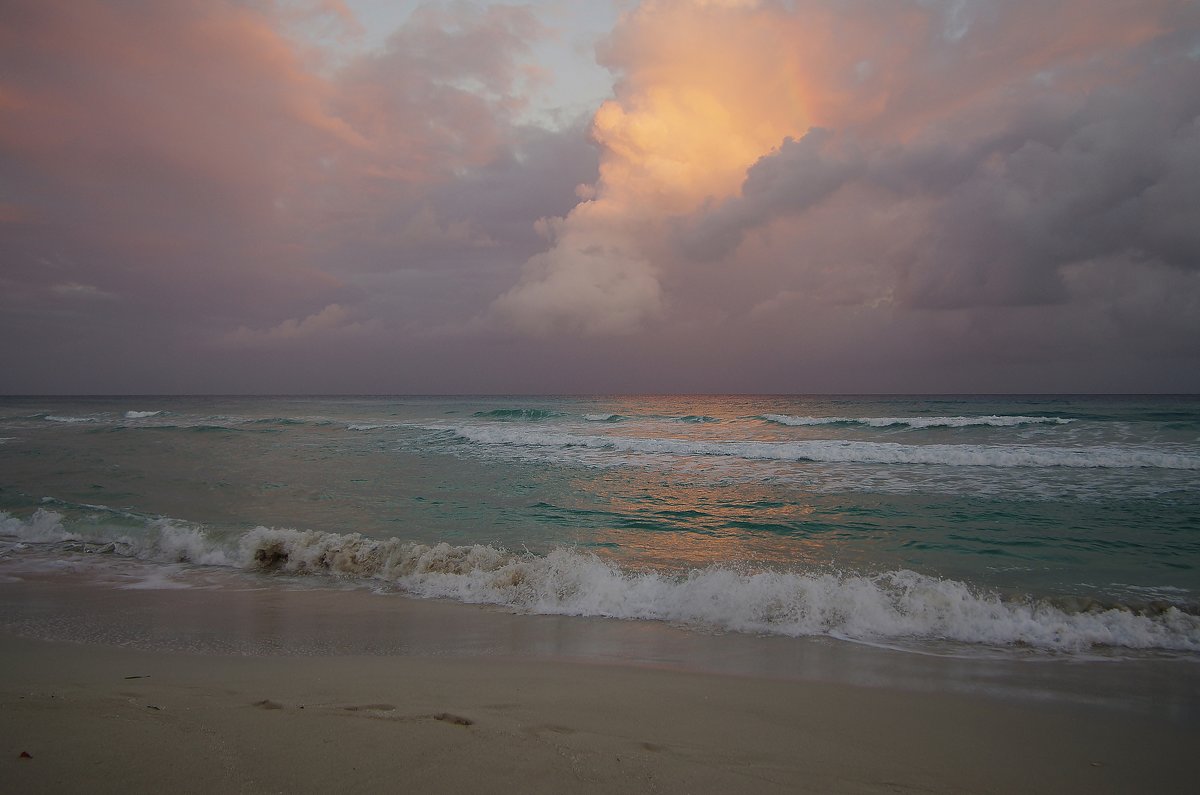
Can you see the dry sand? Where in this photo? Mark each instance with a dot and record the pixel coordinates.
(94, 716)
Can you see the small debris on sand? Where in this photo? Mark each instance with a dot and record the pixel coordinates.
(457, 720)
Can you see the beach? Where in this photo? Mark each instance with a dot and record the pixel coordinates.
(252, 689)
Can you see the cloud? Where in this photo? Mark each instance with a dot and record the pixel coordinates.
(675, 134)
(926, 155)
(810, 194)
(86, 292)
(442, 93)
(154, 141)
(796, 176)
(996, 212)
(333, 320)
(194, 154)
(594, 280)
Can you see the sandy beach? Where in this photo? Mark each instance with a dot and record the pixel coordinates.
(277, 690)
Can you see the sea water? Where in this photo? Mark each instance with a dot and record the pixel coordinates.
(1055, 525)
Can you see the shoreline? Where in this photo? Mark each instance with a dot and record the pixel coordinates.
(275, 689)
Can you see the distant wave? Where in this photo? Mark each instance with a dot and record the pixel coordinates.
(695, 418)
(604, 417)
(889, 606)
(915, 422)
(141, 415)
(517, 414)
(56, 418)
(838, 451)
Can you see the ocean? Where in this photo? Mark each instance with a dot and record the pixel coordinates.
(961, 526)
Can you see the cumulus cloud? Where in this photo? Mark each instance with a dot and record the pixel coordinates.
(925, 155)
(675, 134)
(1001, 210)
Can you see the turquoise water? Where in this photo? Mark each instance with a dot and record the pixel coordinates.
(1064, 524)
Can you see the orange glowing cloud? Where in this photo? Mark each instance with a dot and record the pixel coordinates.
(695, 107)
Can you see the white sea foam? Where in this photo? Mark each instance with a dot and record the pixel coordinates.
(141, 415)
(157, 579)
(56, 418)
(842, 451)
(883, 607)
(916, 422)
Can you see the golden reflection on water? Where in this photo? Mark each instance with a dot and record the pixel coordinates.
(678, 526)
(672, 551)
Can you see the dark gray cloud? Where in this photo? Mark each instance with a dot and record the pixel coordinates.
(1003, 210)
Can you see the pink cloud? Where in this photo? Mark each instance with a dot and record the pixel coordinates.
(194, 153)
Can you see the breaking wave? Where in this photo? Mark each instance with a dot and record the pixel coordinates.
(915, 422)
(889, 606)
(840, 451)
(141, 415)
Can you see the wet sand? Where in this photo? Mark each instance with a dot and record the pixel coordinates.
(278, 690)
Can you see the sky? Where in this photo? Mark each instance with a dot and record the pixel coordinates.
(784, 196)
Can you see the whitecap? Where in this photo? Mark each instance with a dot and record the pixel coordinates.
(995, 421)
(845, 451)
